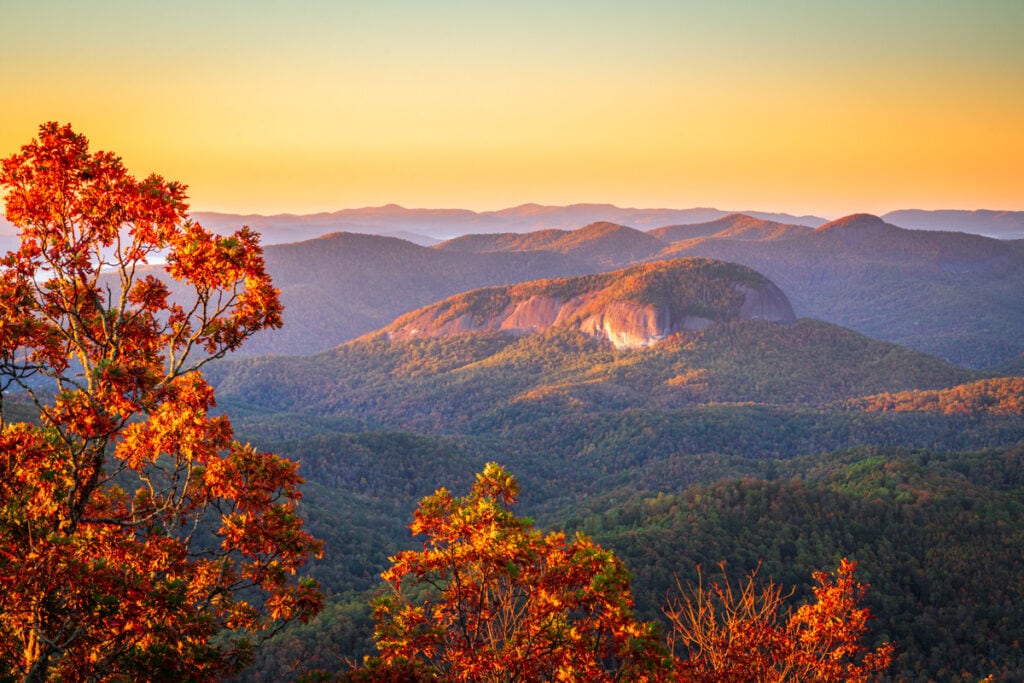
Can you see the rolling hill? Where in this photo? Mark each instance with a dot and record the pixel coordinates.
(734, 226)
(601, 244)
(337, 287)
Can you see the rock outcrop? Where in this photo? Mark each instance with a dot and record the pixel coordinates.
(631, 308)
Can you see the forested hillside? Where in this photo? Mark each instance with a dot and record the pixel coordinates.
(789, 445)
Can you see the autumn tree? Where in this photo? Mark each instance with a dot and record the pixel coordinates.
(727, 634)
(490, 598)
(138, 540)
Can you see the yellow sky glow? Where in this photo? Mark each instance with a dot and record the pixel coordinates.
(862, 108)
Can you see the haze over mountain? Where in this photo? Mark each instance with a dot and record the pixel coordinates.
(8, 235)
(428, 226)
(999, 224)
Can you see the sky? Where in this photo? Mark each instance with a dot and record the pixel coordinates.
(301, 106)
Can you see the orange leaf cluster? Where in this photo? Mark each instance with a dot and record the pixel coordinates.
(739, 634)
(491, 598)
(996, 396)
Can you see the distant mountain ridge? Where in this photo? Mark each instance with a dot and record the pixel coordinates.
(602, 243)
(737, 225)
(428, 226)
(999, 224)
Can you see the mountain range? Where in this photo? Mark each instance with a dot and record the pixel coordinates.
(428, 226)
(950, 294)
(1001, 224)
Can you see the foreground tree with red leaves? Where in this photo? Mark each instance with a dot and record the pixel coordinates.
(138, 540)
(732, 635)
(489, 598)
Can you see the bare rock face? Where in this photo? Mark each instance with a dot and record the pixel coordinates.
(766, 302)
(535, 314)
(632, 308)
(628, 325)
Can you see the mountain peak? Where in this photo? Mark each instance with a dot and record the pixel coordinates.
(602, 228)
(604, 231)
(631, 308)
(857, 221)
(734, 226)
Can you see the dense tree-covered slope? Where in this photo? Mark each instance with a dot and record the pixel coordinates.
(937, 535)
(445, 382)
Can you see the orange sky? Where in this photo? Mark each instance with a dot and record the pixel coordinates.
(797, 106)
